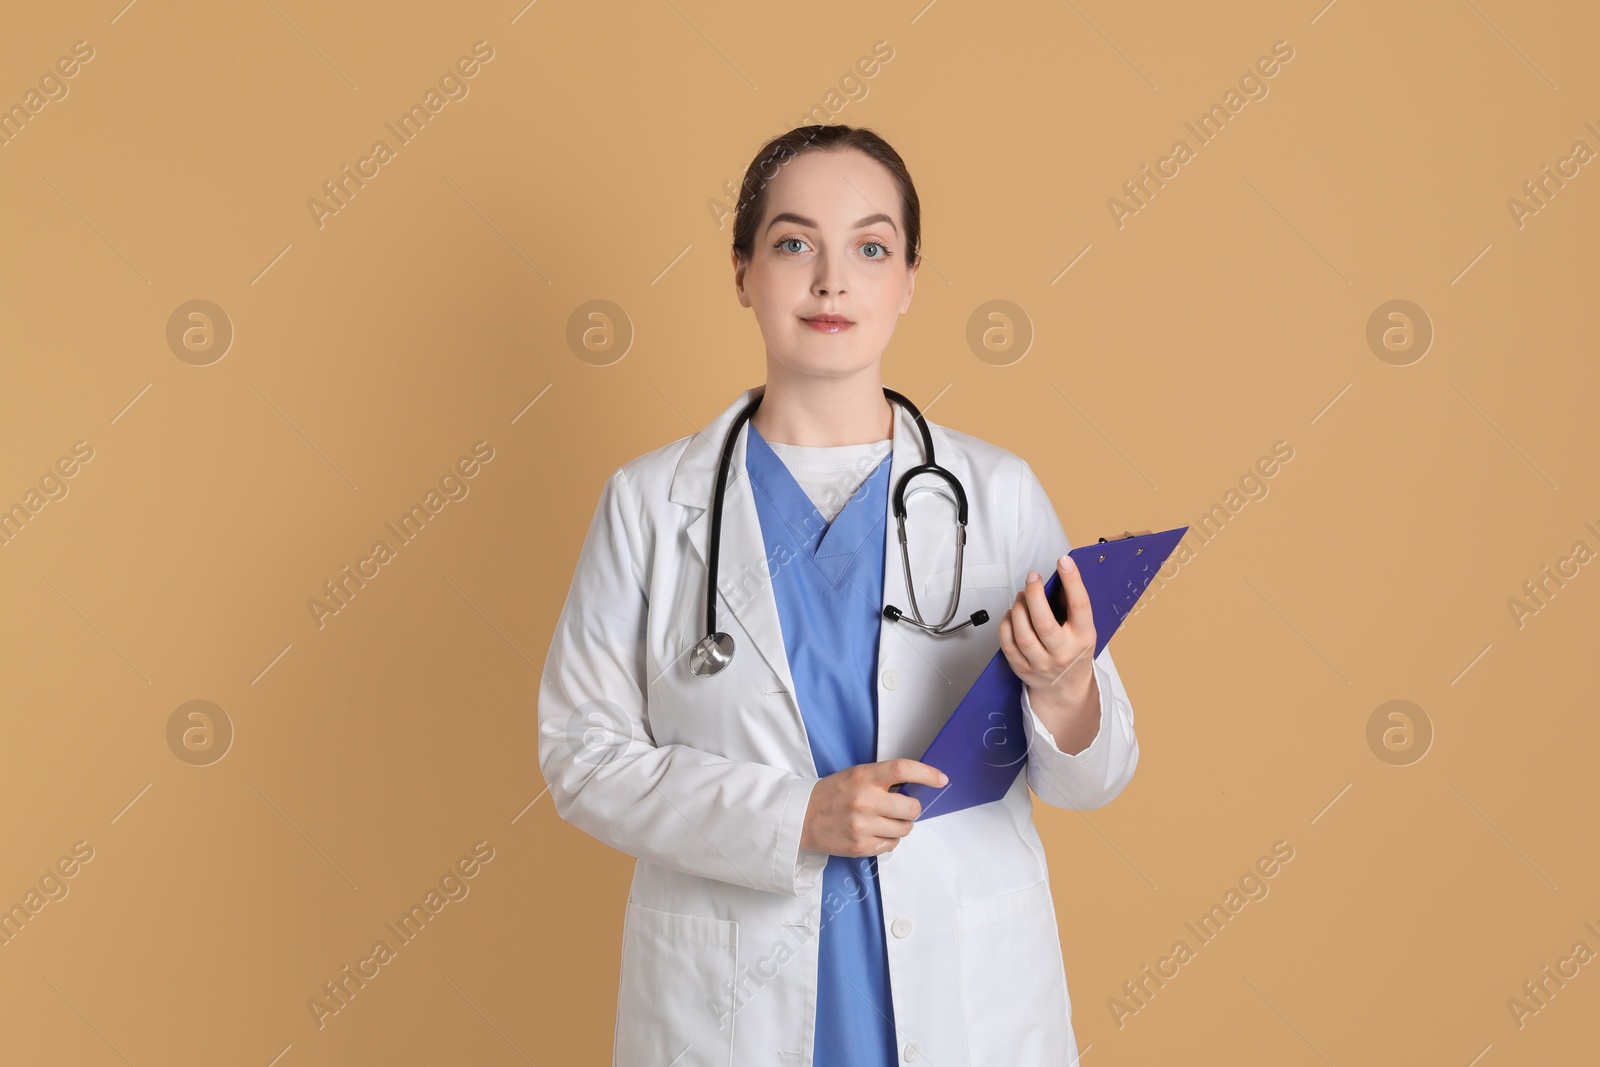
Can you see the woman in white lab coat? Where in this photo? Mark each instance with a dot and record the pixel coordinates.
(779, 914)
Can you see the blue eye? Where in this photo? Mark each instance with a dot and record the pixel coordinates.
(781, 246)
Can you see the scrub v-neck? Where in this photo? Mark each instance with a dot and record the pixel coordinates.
(830, 475)
(832, 546)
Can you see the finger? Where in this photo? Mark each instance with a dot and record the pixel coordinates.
(1027, 640)
(888, 772)
(1080, 613)
(898, 807)
(1008, 643)
(878, 836)
(1041, 613)
(894, 829)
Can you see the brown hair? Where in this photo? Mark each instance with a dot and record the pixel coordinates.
(784, 149)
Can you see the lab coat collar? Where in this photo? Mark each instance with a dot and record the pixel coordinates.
(742, 563)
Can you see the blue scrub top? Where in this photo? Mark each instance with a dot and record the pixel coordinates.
(829, 596)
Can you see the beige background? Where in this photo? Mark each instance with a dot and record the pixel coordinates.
(433, 311)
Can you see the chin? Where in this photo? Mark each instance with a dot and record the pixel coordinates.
(833, 364)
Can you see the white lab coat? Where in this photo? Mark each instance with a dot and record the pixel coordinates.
(706, 779)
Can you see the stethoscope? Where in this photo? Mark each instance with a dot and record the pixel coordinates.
(715, 651)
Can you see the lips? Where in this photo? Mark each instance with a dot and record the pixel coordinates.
(828, 323)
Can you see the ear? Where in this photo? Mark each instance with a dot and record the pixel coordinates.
(911, 287)
(738, 277)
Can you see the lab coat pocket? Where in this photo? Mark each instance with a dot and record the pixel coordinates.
(672, 1006)
(939, 583)
(1013, 985)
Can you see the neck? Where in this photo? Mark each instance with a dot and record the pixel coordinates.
(824, 412)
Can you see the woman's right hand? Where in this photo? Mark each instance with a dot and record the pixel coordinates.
(852, 813)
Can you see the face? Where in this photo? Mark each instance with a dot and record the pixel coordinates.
(831, 242)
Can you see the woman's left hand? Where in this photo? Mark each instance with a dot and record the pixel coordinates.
(1056, 660)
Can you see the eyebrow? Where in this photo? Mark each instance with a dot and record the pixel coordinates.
(801, 220)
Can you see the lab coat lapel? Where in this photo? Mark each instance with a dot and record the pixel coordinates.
(907, 454)
(743, 579)
(904, 651)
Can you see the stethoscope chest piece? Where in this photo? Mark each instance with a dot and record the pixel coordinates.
(711, 653)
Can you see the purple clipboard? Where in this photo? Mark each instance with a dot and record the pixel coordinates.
(984, 743)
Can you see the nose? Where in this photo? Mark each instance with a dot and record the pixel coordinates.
(830, 275)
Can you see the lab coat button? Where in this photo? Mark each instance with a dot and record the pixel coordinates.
(891, 679)
(912, 1052)
(900, 928)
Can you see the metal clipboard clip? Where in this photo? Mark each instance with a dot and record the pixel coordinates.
(1124, 536)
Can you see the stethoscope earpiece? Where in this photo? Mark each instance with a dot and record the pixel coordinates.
(715, 651)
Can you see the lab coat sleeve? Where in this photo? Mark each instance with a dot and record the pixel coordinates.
(672, 805)
(1091, 778)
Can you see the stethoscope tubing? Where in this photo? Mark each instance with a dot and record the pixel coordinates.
(715, 650)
